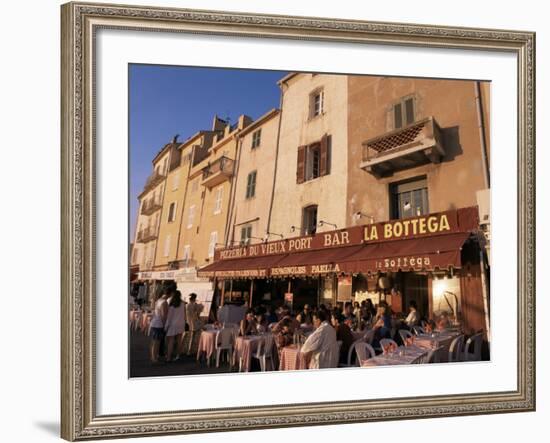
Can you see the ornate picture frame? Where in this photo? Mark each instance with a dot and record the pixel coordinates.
(80, 22)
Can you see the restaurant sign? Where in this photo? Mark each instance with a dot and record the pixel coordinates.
(459, 220)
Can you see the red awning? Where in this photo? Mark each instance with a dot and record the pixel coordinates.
(427, 253)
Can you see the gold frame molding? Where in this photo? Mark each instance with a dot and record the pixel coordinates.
(80, 21)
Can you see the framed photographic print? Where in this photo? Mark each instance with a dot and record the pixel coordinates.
(256, 208)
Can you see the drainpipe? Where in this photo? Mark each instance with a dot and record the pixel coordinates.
(268, 229)
(184, 200)
(485, 296)
(233, 190)
(482, 135)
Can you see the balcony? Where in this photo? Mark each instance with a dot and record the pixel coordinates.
(217, 172)
(414, 145)
(151, 206)
(146, 235)
(153, 180)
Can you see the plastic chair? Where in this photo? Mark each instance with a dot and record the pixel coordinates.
(404, 334)
(387, 341)
(369, 336)
(224, 342)
(418, 330)
(264, 353)
(475, 342)
(455, 350)
(363, 351)
(434, 356)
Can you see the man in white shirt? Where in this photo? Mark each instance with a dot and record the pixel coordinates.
(321, 344)
(413, 318)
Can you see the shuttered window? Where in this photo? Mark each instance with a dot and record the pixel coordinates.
(251, 185)
(246, 233)
(316, 103)
(172, 212)
(309, 220)
(175, 181)
(313, 160)
(403, 113)
(212, 244)
(256, 138)
(167, 241)
(191, 216)
(218, 201)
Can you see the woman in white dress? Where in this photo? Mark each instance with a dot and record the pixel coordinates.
(175, 326)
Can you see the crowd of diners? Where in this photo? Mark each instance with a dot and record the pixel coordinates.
(176, 323)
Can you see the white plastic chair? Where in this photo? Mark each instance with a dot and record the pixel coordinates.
(387, 341)
(475, 342)
(404, 334)
(418, 330)
(455, 350)
(369, 336)
(434, 356)
(363, 351)
(264, 353)
(225, 339)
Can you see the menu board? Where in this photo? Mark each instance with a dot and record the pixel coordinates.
(204, 298)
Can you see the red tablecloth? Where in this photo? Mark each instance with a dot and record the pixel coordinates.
(291, 359)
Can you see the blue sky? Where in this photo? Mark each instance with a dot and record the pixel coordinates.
(169, 100)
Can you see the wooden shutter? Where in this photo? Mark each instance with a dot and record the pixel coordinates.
(324, 167)
(301, 165)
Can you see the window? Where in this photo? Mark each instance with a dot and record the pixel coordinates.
(410, 198)
(186, 253)
(195, 185)
(403, 113)
(316, 103)
(191, 216)
(256, 136)
(135, 255)
(219, 200)
(314, 160)
(251, 185)
(167, 241)
(175, 182)
(212, 244)
(246, 234)
(309, 220)
(172, 212)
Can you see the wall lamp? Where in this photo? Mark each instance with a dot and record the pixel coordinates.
(360, 214)
(322, 223)
(267, 233)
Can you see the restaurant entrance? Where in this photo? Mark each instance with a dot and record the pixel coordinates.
(415, 288)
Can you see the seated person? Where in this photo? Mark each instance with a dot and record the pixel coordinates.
(413, 318)
(382, 325)
(319, 344)
(248, 324)
(442, 322)
(343, 334)
(261, 322)
(285, 335)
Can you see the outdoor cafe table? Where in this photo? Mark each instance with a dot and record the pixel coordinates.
(404, 355)
(441, 340)
(244, 348)
(207, 343)
(291, 359)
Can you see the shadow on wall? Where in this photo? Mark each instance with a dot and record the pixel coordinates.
(451, 142)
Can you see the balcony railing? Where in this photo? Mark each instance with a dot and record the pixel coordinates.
(147, 234)
(153, 180)
(217, 172)
(403, 148)
(151, 206)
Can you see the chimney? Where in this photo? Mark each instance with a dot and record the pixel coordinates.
(175, 139)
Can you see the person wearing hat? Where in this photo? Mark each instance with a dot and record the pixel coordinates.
(192, 314)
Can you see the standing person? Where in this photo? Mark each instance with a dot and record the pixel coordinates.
(192, 312)
(174, 326)
(160, 313)
(321, 342)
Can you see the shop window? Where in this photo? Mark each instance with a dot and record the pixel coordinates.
(403, 113)
(410, 198)
(309, 220)
(313, 160)
(246, 234)
(251, 185)
(256, 138)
